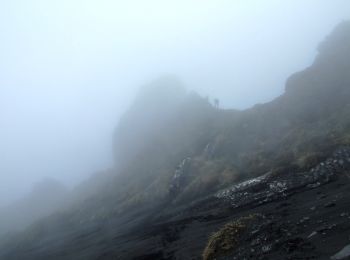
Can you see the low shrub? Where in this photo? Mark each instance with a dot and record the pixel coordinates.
(227, 238)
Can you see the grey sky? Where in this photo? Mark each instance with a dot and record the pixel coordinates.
(69, 68)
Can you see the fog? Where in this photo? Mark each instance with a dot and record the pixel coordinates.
(70, 69)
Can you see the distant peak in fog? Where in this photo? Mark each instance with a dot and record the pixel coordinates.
(167, 88)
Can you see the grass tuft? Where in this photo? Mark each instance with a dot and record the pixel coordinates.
(227, 238)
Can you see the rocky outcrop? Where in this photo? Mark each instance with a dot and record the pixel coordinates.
(180, 175)
(272, 187)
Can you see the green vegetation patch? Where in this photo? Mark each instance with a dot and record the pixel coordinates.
(227, 238)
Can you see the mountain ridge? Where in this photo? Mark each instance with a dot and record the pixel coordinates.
(178, 150)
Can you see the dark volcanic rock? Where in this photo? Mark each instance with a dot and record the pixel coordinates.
(270, 187)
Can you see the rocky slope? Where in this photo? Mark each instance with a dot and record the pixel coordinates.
(194, 181)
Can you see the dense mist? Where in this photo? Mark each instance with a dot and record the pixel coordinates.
(174, 129)
(71, 69)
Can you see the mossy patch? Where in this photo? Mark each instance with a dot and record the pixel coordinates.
(227, 238)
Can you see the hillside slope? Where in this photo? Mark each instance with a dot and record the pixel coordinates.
(186, 168)
(44, 199)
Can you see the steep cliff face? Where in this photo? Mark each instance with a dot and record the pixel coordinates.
(164, 121)
(153, 110)
(323, 87)
(178, 156)
(164, 126)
